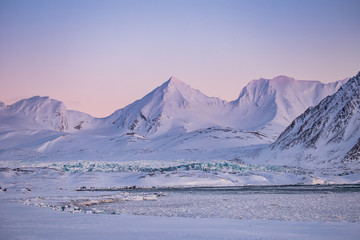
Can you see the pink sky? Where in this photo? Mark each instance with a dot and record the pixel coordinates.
(99, 56)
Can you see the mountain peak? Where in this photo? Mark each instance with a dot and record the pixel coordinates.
(175, 87)
(175, 82)
(174, 79)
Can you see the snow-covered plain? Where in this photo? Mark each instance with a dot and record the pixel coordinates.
(47, 203)
(75, 201)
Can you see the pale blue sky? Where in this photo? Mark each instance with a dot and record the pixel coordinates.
(98, 56)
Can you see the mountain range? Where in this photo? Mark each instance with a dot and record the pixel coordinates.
(310, 121)
(175, 106)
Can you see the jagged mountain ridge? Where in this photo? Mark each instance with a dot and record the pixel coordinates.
(333, 126)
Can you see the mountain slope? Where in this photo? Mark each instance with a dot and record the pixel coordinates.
(327, 134)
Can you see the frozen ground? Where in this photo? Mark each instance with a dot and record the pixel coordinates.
(44, 202)
(287, 203)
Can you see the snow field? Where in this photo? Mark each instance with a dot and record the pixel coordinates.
(24, 222)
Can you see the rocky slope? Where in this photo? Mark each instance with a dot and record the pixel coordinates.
(327, 134)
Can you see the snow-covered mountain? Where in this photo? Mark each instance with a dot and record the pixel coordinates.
(327, 135)
(174, 106)
(275, 103)
(43, 113)
(173, 121)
